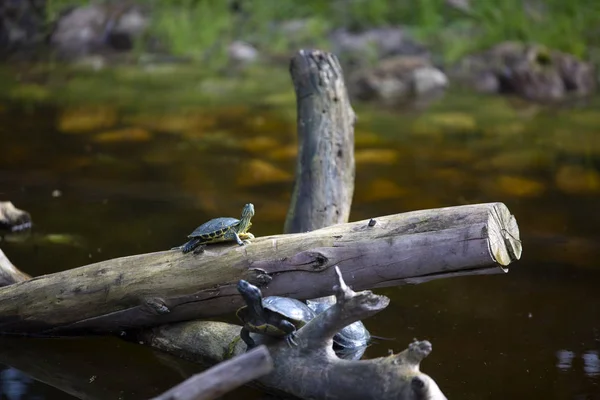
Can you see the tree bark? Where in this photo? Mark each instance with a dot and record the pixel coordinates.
(151, 289)
(223, 378)
(325, 167)
(324, 183)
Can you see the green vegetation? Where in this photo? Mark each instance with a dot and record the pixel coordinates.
(200, 28)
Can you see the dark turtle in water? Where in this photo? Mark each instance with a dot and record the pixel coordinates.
(350, 342)
(272, 316)
(222, 230)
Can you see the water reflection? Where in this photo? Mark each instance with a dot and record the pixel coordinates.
(137, 178)
(15, 384)
(591, 363)
(565, 359)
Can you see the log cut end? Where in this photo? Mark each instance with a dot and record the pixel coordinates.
(503, 234)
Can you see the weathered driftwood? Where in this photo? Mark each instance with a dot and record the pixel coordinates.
(12, 219)
(226, 376)
(311, 369)
(10, 274)
(168, 286)
(325, 166)
(324, 183)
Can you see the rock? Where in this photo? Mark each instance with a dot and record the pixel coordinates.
(516, 186)
(381, 189)
(259, 144)
(258, 172)
(21, 24)
(445, 123)
(398, 79)
(428, 79)
(366, 138)
(376, 156)
(575, 179)
(531, 71)
(12, 219)
(85, 119)
(357, 48)
(98, 27)
(283, 153)
(123, 135)
(518, 160)
(192, 122)
(242, 52)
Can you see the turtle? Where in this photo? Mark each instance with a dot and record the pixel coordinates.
(353, 336)
(221, 230)
(273, 316)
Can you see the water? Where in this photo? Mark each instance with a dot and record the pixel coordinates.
(123, 163)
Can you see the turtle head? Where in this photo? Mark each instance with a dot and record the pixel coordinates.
(248, 211)
(247, 214)
(251, 294)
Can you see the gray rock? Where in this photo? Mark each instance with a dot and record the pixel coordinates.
(98, 27)
(242, 52)
(398, 79)
(374, 44)
(21, 24)
(531, 71)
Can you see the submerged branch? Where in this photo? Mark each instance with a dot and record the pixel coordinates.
(226, 376)
(311, 369)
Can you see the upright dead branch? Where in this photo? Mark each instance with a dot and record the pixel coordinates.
(325, 166)
(324, 184)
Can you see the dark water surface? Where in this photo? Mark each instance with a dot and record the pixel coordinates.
(110, 167)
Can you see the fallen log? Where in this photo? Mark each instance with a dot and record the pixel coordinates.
(310, 370)
(226, 376)
(156, 288)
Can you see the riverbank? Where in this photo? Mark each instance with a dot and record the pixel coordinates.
(396, 54)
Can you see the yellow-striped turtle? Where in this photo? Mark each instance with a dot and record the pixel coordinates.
(272, 316)
(222, 230)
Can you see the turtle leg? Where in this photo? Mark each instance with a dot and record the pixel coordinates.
(290, 330)
(246, 237)
(191, 245)
(245, 335)
(232, 235)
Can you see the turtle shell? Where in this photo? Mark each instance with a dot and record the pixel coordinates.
(351, 336)
(294, 310)
(214, 228)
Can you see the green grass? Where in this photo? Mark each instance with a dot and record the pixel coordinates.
(202, 28)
